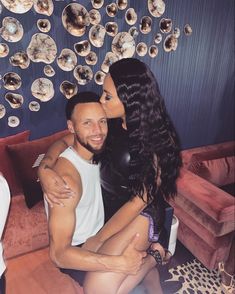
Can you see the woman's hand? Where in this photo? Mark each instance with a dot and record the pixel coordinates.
(54, 187)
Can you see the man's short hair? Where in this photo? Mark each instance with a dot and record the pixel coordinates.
(82, 97)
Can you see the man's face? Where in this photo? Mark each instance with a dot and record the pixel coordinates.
(89, 124)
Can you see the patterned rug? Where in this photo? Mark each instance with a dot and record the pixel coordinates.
(196, 279)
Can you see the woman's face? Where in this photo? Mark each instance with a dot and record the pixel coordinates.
(110, 101)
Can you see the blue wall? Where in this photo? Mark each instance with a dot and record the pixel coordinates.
(197, 80)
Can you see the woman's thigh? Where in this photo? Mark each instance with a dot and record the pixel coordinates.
(96, 281)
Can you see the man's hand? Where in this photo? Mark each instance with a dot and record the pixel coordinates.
(133, 258)
(54, 187)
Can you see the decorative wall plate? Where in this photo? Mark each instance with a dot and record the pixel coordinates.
(170, 43)
(82, 48)
(4, 50)
(176, 32)
(97, 3)
(96, 35)
(95, 16)
(157, 38)
(68, 89)
(15, 100)
(109, 59)
(45, 7)
(75, 19)
(111, 28)
(99, 77)
(18, 6)
(123, 45)
(188, 30)
(49, 70)
(133, 31)
(145, 24)
(83, 74)
(2, 111)
(91, 58)
(156, 7)
(141, 49)
(20, 59)
(165, 25)
(13, 121)
(44, 25)
(42, 89)
(34, 106)
(153, 51)
(42, 48)
(67, 59)
(122, 4)
(11, 30)
(131, 16)
(11, 81)
(112, 9)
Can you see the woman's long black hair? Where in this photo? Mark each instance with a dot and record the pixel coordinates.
(153, 143)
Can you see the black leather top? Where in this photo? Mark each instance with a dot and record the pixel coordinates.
(114, 171)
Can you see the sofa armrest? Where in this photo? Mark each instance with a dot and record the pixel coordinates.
(216, 203)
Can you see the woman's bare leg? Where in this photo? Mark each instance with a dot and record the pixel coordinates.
(108, 282)
(151, 282)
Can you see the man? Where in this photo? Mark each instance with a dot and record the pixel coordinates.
(82, 216)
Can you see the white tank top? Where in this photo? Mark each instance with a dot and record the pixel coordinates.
(90, 209)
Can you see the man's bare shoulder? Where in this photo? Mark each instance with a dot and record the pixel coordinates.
(69, 173)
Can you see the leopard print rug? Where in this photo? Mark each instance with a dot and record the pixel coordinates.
(196, 279)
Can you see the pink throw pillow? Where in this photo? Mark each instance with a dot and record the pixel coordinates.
(6, 166)
(26, 157)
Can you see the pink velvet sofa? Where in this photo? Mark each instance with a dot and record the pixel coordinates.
(206, 214)
(205, 204)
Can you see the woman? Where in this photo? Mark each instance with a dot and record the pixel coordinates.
(140, 166)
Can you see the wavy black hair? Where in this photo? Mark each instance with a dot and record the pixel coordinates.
(153, 142)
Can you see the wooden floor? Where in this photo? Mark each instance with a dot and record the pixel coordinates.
(34, 273)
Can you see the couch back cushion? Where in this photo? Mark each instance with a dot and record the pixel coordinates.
(26, 158)
(6, 166)
(219, 171)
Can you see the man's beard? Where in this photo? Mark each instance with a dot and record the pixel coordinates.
(89, 147)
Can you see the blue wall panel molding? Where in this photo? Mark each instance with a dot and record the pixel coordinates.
(197, 80)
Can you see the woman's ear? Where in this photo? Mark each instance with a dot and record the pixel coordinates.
(70, 126)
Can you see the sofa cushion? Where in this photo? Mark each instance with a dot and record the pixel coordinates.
(6, 166)
(219, 172)
(26, 229)
(210, 202)
(26, 157)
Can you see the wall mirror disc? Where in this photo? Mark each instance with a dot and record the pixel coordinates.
(67, 59)
(42, 89)
(96, 35)
(68, 89)
(156, 7)
(11, 30)
(83, 74)
(18, 6)
(15, 100)
(11, 81)
(75, 19)
(42, 48)
(45, 7)
(123, 45)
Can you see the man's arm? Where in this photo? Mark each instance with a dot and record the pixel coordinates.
(61, 228)
(52, 184)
